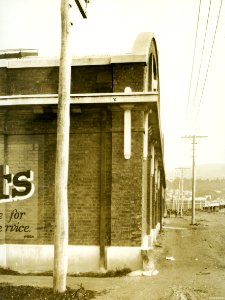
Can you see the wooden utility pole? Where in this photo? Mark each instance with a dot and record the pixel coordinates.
(62, 155)
(177, 196)
(193, 180)
(193, 137)
(181, 188)
(62, 149)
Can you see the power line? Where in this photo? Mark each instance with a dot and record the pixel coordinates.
(214, 37)
(192, 68)
(200, 67)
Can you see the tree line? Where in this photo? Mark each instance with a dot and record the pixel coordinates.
(213, 187)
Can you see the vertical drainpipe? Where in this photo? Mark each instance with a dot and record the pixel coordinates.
(127, 130)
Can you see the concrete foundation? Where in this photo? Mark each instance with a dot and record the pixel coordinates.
(39, 258)
(124, 257)
(2, 256)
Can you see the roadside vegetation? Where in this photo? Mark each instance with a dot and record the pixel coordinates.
(26, 292)
(36, 293)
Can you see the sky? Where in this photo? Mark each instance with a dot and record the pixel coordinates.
(112, 26)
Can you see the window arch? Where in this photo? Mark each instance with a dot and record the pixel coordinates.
(153, 74)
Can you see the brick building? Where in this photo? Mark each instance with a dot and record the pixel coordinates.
(116, 170)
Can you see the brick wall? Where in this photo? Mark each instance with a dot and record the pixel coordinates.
(32, 144)
(85, 79)
(92, 79)
(130, 74)
(3, 87)
(127, 182)
(44, 80)
(124, 193)
(84, 183)
(32, 81)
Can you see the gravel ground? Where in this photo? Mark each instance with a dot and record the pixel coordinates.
(190, 260)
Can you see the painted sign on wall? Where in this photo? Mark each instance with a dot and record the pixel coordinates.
(15, 187)
(14, 223)
(12, 188)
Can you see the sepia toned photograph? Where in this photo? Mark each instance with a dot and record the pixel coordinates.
(112, 149)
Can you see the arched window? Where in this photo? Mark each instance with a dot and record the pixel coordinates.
(153, 76)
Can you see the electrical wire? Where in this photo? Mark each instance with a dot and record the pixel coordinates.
(200, 67)
(214, 37)
(193, 61)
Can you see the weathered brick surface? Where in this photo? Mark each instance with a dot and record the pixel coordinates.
(85, 79)
(32, 81)
(126, 183)
(44, 80)
(32, 144)
(91, 79)
(3, 86)
(84, 188)
(128, 75)
(30, 147)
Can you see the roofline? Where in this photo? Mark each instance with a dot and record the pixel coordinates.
(139, 54)
(93, 60)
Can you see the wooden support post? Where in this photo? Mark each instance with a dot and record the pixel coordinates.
(62, 156)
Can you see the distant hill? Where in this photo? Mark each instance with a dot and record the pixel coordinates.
(206, 171)
(213, 187)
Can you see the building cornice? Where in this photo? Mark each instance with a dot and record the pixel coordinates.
(98, 98)
(39, 62)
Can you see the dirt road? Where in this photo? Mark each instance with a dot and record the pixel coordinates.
(196, 273)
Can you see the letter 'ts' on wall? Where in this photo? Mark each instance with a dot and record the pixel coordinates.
(15, 187)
